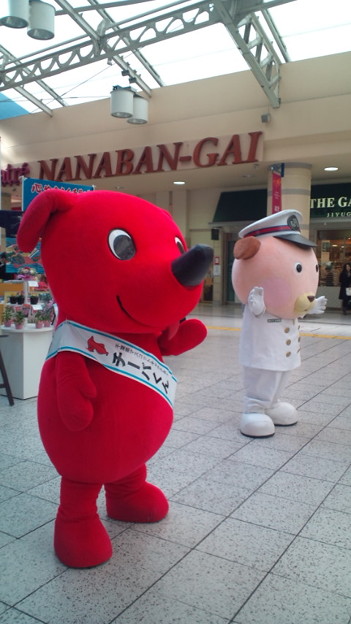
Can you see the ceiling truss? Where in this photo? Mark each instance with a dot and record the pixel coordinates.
(110, 41)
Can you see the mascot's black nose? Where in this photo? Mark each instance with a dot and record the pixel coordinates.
(191, 268)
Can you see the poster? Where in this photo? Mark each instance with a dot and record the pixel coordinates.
(27, 264)
(32, 187)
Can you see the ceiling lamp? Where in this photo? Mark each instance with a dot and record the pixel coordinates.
(41, 20)
(140, 110)
(121, 102)
(38, 16)
(126, 104)
(14, 13)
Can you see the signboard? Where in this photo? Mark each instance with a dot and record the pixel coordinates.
(328, 202)
(30, 263)
(210, 151)
(32, 187)
(277, 174)
(331, 201)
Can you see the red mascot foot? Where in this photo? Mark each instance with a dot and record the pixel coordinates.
(134, 500)
(80, 541)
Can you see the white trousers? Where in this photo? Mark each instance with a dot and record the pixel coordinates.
(262, 388)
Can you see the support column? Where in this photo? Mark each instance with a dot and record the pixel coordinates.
(295, 192)
(161, 199)
(176, 202)
(179, 211)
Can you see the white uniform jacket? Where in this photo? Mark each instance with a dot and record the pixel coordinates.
(269, 342)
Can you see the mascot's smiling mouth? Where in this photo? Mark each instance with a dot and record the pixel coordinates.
(129, 315)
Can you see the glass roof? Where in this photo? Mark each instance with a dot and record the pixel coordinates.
(150, 44)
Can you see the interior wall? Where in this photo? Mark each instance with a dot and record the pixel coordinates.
(202, 204)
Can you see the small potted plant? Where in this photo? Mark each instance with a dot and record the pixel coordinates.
(7, 316)
(38, 319)
(18, 318)
(46, 298)
(47, 315)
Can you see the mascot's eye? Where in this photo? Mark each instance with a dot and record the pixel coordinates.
(179, 244)
(121, 244)
(298, 267)
(317, 268)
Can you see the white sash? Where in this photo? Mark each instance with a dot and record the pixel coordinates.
(117, 355)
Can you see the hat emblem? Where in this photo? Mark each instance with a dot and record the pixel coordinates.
(293, 223)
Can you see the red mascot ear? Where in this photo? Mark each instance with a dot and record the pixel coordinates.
(246, 248)
(38, 213)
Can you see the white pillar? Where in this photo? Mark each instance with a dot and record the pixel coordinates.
(161, 199)
(179, 211)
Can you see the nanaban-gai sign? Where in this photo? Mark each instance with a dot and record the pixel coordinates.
(178, 156)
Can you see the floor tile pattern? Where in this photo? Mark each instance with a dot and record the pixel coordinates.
(259, 531)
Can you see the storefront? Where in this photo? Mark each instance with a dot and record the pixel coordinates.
(330, 228)
(234, 210)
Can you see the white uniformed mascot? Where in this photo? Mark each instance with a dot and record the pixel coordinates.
(275, 274)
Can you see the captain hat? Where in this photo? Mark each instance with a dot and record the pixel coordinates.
(284, 224)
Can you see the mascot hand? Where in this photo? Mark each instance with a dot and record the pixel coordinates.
(176, 340)
(75, 391)
(319, 305)
(256, 301)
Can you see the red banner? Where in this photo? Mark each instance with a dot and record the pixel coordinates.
(276, 192)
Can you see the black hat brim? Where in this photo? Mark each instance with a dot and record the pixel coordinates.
(296, 238)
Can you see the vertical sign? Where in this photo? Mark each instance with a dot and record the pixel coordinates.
(277, 174)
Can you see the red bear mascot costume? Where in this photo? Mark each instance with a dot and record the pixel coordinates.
(123, 281)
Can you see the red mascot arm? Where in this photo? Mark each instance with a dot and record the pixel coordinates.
(185, 335)
(75, 391)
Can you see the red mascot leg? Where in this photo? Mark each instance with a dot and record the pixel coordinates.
(132, 499)
(81, 540)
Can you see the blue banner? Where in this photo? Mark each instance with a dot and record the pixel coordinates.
(32, 187)
(19, 263)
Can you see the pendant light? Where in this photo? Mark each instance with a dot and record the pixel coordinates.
(41, 20)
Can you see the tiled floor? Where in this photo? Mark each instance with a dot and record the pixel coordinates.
(258, 530)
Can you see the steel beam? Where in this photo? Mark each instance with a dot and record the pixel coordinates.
(115, 42)
(110, 41)
(252, 41)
